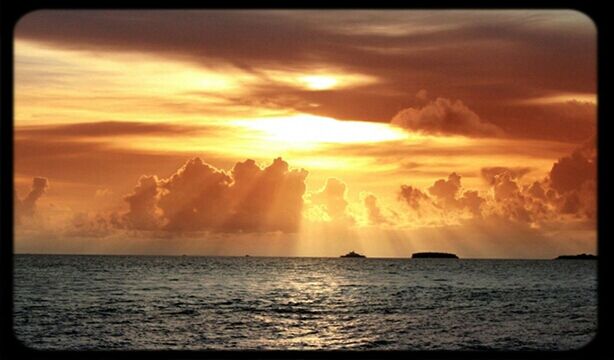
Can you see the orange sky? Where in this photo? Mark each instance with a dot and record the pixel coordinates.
(306, 133)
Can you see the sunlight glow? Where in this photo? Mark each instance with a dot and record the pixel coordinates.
(310, 129)
(316, 82)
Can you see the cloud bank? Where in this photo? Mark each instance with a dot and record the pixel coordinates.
(443, 117)
(199, 197)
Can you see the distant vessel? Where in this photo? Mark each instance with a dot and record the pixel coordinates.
(246, 255)
(352, 254)
(577, 257)
(433, 255)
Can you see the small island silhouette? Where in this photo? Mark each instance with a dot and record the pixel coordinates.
(433, 255)
(352, 254)
(577, 257)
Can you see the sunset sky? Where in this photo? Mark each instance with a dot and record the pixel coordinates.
(306, 133)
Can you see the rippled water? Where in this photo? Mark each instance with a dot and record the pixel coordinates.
(196, 303)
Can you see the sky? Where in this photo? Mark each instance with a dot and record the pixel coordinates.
(306, 132)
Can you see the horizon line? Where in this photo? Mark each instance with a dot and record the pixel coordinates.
(273, 256)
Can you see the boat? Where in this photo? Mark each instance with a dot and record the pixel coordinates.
(433, 255)
(352, 254)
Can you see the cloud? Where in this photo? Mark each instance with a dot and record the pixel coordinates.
(493, 57)
(374, 213)
(472, 201)
(444, 116)
(143, 213)
(112, 129)
(445, 190)
(574, 178)
(269, 199)
(332, 197)
(199, 197)
(570, 172)
(26, 207)
(412, 196)
(489, 173)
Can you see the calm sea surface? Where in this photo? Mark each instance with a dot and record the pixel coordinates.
(196, 303)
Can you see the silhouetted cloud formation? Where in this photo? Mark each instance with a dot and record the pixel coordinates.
(412, 196)
(489, 173)
(444, 116)
(200, 197)
(26, 207)
(568, 190)
(143, 213)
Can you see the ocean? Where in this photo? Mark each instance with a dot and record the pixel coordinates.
(74, 302)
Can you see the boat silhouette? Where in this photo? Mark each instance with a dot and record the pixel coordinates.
(352, 254)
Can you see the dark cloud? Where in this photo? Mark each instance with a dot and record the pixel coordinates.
(26, 207)
(506, 57)
(444, 116)
(200, 197)
(95, 163)
(143, 213)
(472, 201)
(412, 196)
(111, 128)
(574, 179)
(570, 172)
(445, 191)
(489, 173)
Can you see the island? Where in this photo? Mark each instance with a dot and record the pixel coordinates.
(352, 254)
(577, 257)
(433, 255)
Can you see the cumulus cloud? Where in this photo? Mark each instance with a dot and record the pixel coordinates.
(143, 213)
(26, 207)
(443, 116)
(332, 197)
(374, 213)
(447, 198)
(268, 199)
(200, 197)
(412, 196)
(489, 173)
(472, 201)
(574, 179)
(571, 172)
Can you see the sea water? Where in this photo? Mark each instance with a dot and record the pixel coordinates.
(198, 303)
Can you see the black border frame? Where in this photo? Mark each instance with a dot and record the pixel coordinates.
(11, 347)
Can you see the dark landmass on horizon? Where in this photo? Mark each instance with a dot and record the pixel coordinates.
(433, 255)
(577, 257)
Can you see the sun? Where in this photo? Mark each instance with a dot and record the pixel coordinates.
(318, 82)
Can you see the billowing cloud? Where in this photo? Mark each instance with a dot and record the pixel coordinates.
(472, 201)
(143, 213)
(568, 191)
(412, 196)
(443, 116)
(571, 172)
(332, 197)
(489, 173)
(269, 199)
(445, 190)
(26, 207)
(374, 213)
(574, 178)
(199, 197)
